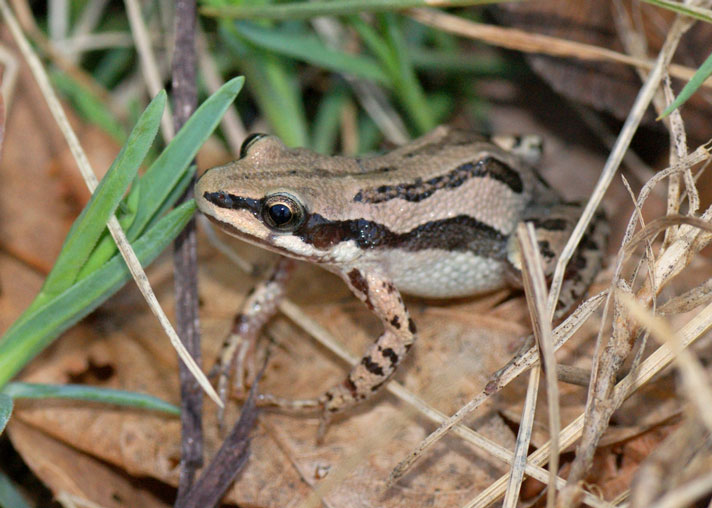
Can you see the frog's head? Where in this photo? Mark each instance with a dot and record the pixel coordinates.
(269, 197)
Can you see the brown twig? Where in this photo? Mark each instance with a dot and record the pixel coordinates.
(185, 257)
(228, 461)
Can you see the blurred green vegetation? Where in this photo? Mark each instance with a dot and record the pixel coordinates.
(307, 77)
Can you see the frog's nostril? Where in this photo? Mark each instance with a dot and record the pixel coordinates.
(220, 198)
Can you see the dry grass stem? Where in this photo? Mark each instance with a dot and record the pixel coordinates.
(519, 40)
(609, 359)
(651, 366)
(521, 447)
(90, 179)
(695, 297)
(535, 290)
(692, 372)
(231, 124)
(149, 66)
(648, 368)
(504, 376)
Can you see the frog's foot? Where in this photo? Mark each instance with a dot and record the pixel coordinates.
(236, 360)
(337, 399)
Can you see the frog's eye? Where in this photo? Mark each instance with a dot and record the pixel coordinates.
(249, 142)
(283, 212)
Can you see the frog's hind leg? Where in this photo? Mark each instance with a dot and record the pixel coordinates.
(584, 265)
(553, 226)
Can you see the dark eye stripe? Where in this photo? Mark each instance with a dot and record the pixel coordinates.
(222, 199)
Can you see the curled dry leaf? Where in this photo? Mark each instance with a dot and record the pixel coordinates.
(608, 86)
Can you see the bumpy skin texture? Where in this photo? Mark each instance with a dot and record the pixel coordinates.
(433, 218)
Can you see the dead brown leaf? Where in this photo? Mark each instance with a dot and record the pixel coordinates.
(120, 350)
(70, 472)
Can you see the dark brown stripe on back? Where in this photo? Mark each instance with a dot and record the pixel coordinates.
(419, 189)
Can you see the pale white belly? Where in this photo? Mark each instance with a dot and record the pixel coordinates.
(434, 274)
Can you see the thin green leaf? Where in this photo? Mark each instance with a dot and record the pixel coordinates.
(461, 62)
(688, 10)
(163, 175)
(407, 86)
(106, 247)
(39, 326)
(274, 84)
(326, 122)
(311, 50)
(10, 497)
(90, 106)
(376, 43)
(302, 10)
(18, 390)
(691, 87)
(91, 223)
(5, 410)
(177, 191)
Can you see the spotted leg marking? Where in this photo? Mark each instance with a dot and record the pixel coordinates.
(378, 363)
(383, 357)
(260, 305)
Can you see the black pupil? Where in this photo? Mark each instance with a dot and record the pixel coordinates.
(280, 214)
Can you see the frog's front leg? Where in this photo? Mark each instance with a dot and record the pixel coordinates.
(381, 360)
(378, 363)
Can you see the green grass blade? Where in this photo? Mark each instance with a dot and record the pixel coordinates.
(19, 390)
(407, 87)
(687, 10)
(304, 10)
(5, 410)
(9, 495)
(168, 169)
(91, 223)
(90, 106)
(377, 45)
(274, 84)
(37, 328)
(106, 247)
(691, 87)
(176, 192)
(326, 122)
(311, 50)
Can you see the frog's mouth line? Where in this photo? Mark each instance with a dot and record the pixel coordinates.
(265, 244)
